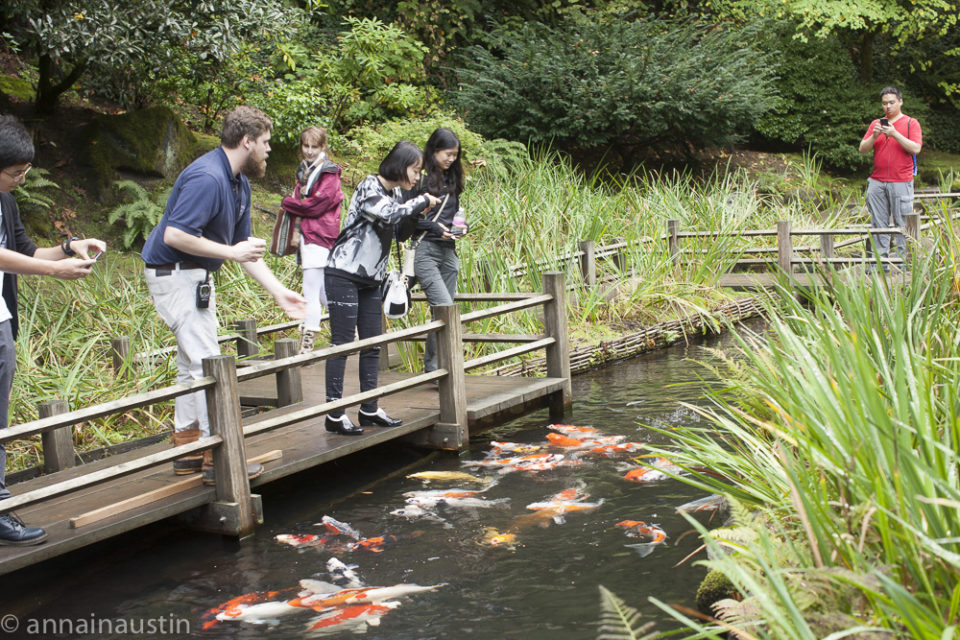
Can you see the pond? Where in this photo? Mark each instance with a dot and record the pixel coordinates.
(543, 585)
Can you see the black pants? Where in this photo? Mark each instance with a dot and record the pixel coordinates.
(355, 309)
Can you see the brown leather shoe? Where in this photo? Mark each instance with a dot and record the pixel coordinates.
(191, 463)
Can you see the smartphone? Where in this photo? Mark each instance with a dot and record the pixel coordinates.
(884, 122)
(97, 257)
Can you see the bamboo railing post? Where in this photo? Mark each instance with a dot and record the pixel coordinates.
(234, 512)
(557, 354)
(785, 246)
(57, 444)
(588, 262)
(247, 344)
(912, 224)
(673, 241)
(289, 384)
(453, 387)
(120, 354)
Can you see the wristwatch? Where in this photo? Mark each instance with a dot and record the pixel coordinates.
(65, 246)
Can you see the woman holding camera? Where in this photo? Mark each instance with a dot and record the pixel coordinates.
(437, 265)
(357, 267)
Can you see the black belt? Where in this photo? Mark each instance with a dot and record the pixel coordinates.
(170, 267)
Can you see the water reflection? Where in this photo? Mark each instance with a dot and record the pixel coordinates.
(544, 588)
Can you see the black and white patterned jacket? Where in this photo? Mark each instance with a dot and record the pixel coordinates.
(362, 249)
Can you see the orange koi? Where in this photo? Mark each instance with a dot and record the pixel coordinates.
(499, 448)
(300, 540)
(656, 471)
(560, 440)
(364, 595)
(375, 545)
(573, 431)
(340, 528)
(651, 534)
(355, 617)
(236, 608)
(608, 450)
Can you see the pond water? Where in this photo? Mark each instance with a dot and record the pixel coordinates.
(544, 587)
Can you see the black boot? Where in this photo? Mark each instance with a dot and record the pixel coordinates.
(14, 532)
(378, 419)
(342, 425)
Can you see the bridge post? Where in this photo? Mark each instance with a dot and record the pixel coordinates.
(247, 344)
(58, 451)
(826, 246)
(453, 431)
(912, 224)
(120, 355)
(557, 354)
(785, 246)
(673, 240)
(588, 262)
(236, 511)
(289, 383)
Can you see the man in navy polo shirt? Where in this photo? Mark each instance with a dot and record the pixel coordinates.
(207, 221)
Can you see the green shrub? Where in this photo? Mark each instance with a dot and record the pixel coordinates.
(824, 106)
(140, 213)
(630, 87)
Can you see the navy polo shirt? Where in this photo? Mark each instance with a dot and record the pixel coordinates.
(207, 200)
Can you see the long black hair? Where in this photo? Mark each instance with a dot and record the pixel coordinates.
(437, 178)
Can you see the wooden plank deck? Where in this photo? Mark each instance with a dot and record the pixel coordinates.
(304, 445)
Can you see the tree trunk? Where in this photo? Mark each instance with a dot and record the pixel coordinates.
(866, 57)
(48, 94)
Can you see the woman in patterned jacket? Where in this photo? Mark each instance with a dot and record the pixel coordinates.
(357, 267)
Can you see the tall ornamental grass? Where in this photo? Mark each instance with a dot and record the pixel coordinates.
(838, 437)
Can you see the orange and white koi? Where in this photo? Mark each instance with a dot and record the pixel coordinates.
(356, 618)
(574, 431)
(257, 607)
(497, 449)
(543, 464)
(301, 540)
(657, 470)
(610, 450)
(450, 493)
(430, 503)
(651, 534)
(566, 501)
(318, 598)
(376, 545)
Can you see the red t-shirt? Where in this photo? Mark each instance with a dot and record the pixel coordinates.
(891, 163)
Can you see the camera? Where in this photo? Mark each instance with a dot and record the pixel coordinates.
(203, 295)
(884, 122)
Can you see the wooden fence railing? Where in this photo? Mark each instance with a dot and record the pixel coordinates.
(234, 512)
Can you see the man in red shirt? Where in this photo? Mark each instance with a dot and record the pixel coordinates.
(895, 139)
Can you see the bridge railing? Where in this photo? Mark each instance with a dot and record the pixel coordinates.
(235, 510)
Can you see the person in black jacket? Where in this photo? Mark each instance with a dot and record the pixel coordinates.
(357, 267)
(18, 254)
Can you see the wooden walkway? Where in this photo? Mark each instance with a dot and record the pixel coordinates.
(302, 445)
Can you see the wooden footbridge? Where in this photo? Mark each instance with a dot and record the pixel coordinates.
(80, 505)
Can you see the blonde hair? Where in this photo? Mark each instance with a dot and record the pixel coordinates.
(317, 133)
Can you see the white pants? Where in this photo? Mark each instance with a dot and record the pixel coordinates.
(175, 298)
(315, 293)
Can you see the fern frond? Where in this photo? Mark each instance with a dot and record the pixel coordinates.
(620, 622)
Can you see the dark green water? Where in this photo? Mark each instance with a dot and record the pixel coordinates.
(545, 588)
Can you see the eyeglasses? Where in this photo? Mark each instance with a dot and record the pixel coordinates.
(16, 175)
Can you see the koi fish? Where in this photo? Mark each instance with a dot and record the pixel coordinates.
(431, 503)
(505, 462)
(573, 431)
(713, 502)
(542, 464)
(446, 476)
(257, 607)
(376, 545)
(300, 540)
(318, 598)
(653, 473)
(567, 501)
(499, 448)
(609, 450)
(651, 534)
(343, 575)
(413, 512)
(495, 538)
(340, 528)
(356, 618)
(560, 440)
(449, 493)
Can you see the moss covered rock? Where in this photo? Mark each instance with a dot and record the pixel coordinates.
(715, 587)
(150, 143)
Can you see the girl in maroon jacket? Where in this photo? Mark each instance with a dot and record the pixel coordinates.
(316, 200)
